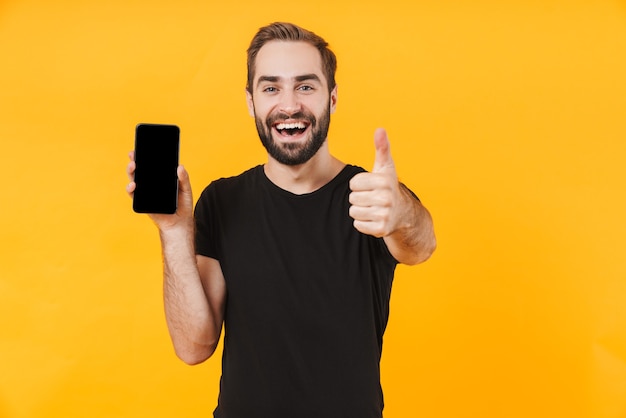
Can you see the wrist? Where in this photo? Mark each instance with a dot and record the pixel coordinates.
(177, 232)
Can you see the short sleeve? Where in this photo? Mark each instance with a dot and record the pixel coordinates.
(206, 213)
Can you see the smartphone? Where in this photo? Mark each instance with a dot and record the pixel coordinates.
(156, 162)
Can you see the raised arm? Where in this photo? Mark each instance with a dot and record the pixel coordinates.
(193, 293)
(384, 207)
(193, 286)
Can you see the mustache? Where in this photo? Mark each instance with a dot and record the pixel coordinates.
(280, 116)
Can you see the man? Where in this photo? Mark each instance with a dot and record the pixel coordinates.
(295, 257)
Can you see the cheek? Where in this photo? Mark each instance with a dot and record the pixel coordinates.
(260, 110)
(320, 107)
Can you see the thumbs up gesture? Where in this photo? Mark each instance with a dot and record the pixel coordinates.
(376, 196)
(382, 207)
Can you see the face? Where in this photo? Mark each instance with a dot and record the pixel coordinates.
(290, 101)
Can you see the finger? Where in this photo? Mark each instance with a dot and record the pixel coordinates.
(367, 181)
(382, 161)
(361, 213)
(369, 228)
(130, 188)
(359, 182)
(131, 155)
(370, 199)
(130, 170)
(370, 213)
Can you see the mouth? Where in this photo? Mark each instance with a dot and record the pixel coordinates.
(291, 129)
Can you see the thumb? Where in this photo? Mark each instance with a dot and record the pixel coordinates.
(383, 161)
(183, 179)
(185, 195)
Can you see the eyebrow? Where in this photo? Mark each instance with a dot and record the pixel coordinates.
(298, 78)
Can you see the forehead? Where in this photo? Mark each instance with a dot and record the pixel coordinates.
(288, 59)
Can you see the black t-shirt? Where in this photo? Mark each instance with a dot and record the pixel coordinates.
(307, 299)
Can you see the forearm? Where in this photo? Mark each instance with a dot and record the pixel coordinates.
(192, 325)
(413, 240)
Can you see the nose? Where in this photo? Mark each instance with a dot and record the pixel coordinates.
(289, 102)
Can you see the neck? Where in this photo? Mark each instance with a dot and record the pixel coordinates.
(307, 177)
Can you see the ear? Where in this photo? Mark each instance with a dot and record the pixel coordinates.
(333, 99)
(250, 103)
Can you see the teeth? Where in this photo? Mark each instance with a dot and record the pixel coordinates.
(295, 125)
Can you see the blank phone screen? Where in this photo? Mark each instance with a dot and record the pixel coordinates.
(156, 159)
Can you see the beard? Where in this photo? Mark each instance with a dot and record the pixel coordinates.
(294, 153)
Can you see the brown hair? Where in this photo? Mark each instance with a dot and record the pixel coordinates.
(282, 31)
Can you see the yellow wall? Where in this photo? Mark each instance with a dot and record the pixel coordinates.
(506, 117)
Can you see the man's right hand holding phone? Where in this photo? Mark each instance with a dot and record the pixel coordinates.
(184, 213)
(192, 315)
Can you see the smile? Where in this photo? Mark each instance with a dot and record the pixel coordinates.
(291, 128)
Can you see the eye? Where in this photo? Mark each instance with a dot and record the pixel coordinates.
(270, 89)
(306, 88)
